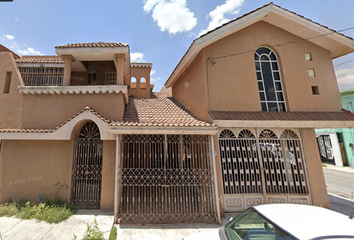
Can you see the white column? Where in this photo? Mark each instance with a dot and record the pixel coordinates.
(119, 62)
(336, 149)
(68, 60)
(215, 179)
(116, 186)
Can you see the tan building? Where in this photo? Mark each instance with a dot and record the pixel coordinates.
(238, 131)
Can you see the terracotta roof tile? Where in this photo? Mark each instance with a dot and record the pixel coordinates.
(40, 59)
(92, 44)
(283, 116)
(54, 129)
(159, 110)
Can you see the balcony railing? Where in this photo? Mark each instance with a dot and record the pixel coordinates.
(42, 76)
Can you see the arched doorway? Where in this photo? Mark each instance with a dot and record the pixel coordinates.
(87, 167)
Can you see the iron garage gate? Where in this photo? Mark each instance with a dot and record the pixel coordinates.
(166, 179)
(262, 168)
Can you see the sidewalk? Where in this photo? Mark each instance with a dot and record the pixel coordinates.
(14, 228)
(349, 170)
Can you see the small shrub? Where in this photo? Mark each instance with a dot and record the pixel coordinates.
(92, 233)
(113, 233)
(8, 209)
(53, 211)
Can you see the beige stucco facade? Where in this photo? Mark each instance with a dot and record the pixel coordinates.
(11, 103)
(221, 76)
(233, 80)
(42, 127)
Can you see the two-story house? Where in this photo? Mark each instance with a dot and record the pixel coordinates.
(238, 130)
(266, 80)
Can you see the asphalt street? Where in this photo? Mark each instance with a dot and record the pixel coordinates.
(340, 187)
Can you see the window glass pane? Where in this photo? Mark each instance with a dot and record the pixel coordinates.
(263, 50)
(268, 81)
(257, 65)
(261, 95)
(272, 56)
(311, 72)
(272, 107)
(275, 66)
(251, 225)
(264, 58)
(256, 57)
(308, 56)
(276, 76)
(278, 86)
(281, 107)
(280, 96)
(264, 107)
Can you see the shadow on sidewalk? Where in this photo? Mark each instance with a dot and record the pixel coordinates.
(341, 205)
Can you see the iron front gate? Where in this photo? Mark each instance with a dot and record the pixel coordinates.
(325, 147)
(262, 169)
(166, 179)
(87, 168)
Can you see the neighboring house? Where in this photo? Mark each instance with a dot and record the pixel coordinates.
(266, 79)
(237, 131)
(337, 145)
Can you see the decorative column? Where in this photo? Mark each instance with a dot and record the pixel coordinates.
(119, 62)
(68, 60)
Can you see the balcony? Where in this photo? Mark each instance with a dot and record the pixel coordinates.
(44, 76)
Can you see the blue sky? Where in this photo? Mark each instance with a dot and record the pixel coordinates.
(158, 31)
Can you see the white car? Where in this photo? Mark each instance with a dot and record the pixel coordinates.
(283, 221)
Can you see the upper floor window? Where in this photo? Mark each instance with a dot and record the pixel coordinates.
(269, 80)
(42, 76)
(92, 76)
(111, 78)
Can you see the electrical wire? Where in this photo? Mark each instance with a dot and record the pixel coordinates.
(282, 3)
(282, 44)
(315, 7)
(305, 6)
(344, 62)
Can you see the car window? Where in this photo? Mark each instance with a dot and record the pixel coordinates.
(250, 225)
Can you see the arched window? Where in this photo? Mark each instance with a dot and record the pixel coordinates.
(142, 83)
(269, 80)
(133, 82)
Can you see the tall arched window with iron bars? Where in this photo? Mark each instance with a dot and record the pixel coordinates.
(269, 80)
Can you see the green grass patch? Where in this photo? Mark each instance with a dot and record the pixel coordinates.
(324, 165)
(52, 211)
(113, 233)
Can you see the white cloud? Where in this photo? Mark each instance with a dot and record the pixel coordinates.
(8, 36)
(137, 57)
(14, 45)
(171, 15)
(154, 79)
(217, 16)
(345, 78)
(192, 34)
(29, 51)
